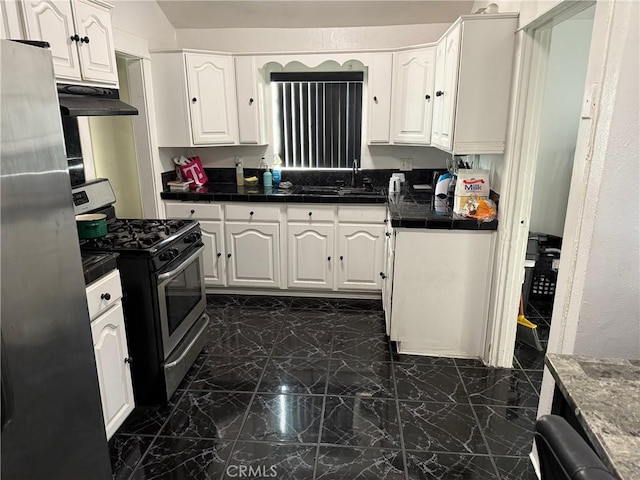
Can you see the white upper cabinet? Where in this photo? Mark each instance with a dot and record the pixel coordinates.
(211, 90)
(474, 66)
(249, 124)
(97, 53)
(195, 99)
(80, 35)
(413, 95)
(379, 91)
(446, 83)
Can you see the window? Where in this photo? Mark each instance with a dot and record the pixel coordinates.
(317, 118)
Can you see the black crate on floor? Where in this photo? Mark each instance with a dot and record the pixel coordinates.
(545, 276)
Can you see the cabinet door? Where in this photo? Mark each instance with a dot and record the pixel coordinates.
(212, 99)
(449, 87)
(247, 97)
(387, 280)
(114, 374)
(438, 98)
(310, 256)
(253, 257)
(213, 256)
(379, 90)
(360, 255)
(97, 56)
(52, 21)
(413, 96)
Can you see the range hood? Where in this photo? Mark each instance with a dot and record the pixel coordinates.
(85, 101)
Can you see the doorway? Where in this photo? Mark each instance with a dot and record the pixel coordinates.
(568, 41)
(114, 152)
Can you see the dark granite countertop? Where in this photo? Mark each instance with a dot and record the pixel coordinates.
(224, 192)
(408, 209)
(605, 394)
(95, 265)
(417, 209)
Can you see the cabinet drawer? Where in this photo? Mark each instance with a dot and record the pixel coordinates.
(361, 214)
(103, 293)
(197, 211)
(313, 213)
(254, 212)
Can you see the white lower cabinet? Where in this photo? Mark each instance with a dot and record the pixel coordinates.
(253, 254)
(310, 256)
(213, 256)
(110, 349)
(440, 303)
(310, 247)
(360, 256)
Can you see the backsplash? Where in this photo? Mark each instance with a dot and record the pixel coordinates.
(379, 177)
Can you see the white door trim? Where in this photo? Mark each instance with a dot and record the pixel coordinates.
(136, 51)
(522, 146)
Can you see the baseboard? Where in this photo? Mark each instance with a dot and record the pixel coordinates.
(294, 293)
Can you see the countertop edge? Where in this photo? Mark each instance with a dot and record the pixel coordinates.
(597, 442)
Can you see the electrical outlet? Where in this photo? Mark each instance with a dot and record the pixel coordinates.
(407, 164)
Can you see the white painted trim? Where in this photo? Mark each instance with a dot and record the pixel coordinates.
(87, 148)
(282, 292)
(476, 148)
(516, 199)
(139, 98)
(129, 45)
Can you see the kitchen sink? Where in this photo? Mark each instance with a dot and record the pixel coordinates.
(343, 191)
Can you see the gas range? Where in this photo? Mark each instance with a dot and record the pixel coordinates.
(161, 270)
(164, 240)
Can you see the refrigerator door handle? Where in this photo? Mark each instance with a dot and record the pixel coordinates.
(6, 391)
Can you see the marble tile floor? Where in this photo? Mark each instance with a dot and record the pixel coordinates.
(304, 389)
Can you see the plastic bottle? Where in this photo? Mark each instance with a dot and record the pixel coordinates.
(239, 172)
(277, 166)
(267, 179)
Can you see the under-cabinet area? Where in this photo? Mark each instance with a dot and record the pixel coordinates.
(311, 247)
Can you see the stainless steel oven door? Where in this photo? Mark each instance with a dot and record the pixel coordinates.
(182, 299)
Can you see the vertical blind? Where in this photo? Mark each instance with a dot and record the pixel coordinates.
(317, 118)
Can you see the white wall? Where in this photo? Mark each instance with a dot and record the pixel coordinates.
(244, 40)
(560, 117)
(145, 19)
(609, 317)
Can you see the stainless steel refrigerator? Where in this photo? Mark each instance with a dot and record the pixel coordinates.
(52, 425)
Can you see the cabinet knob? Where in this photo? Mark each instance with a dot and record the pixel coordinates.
(219, 254)
(105, 296)
(310, 213)
(228, 255)
(383, 275)
(439, 93)
(329, 259)
(75, 38)
(194, 100)
(388, 234)
(84, 40)
(251, 101)
(375, 99)
(128, 360)
(427, 97)
(341, 257)
(192, 212)
(251, 213)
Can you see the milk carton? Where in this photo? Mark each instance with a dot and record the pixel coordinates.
(470, 182)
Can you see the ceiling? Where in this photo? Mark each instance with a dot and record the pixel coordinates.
(309, 13)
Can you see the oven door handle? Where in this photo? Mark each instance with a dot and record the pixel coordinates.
(164, 276)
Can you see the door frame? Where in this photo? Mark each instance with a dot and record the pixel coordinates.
(136, 52)
(533, 43)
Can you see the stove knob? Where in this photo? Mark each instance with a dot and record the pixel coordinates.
(166, 255)
(174, 252)
(190, 238)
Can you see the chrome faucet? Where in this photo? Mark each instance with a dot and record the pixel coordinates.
(354, 173)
